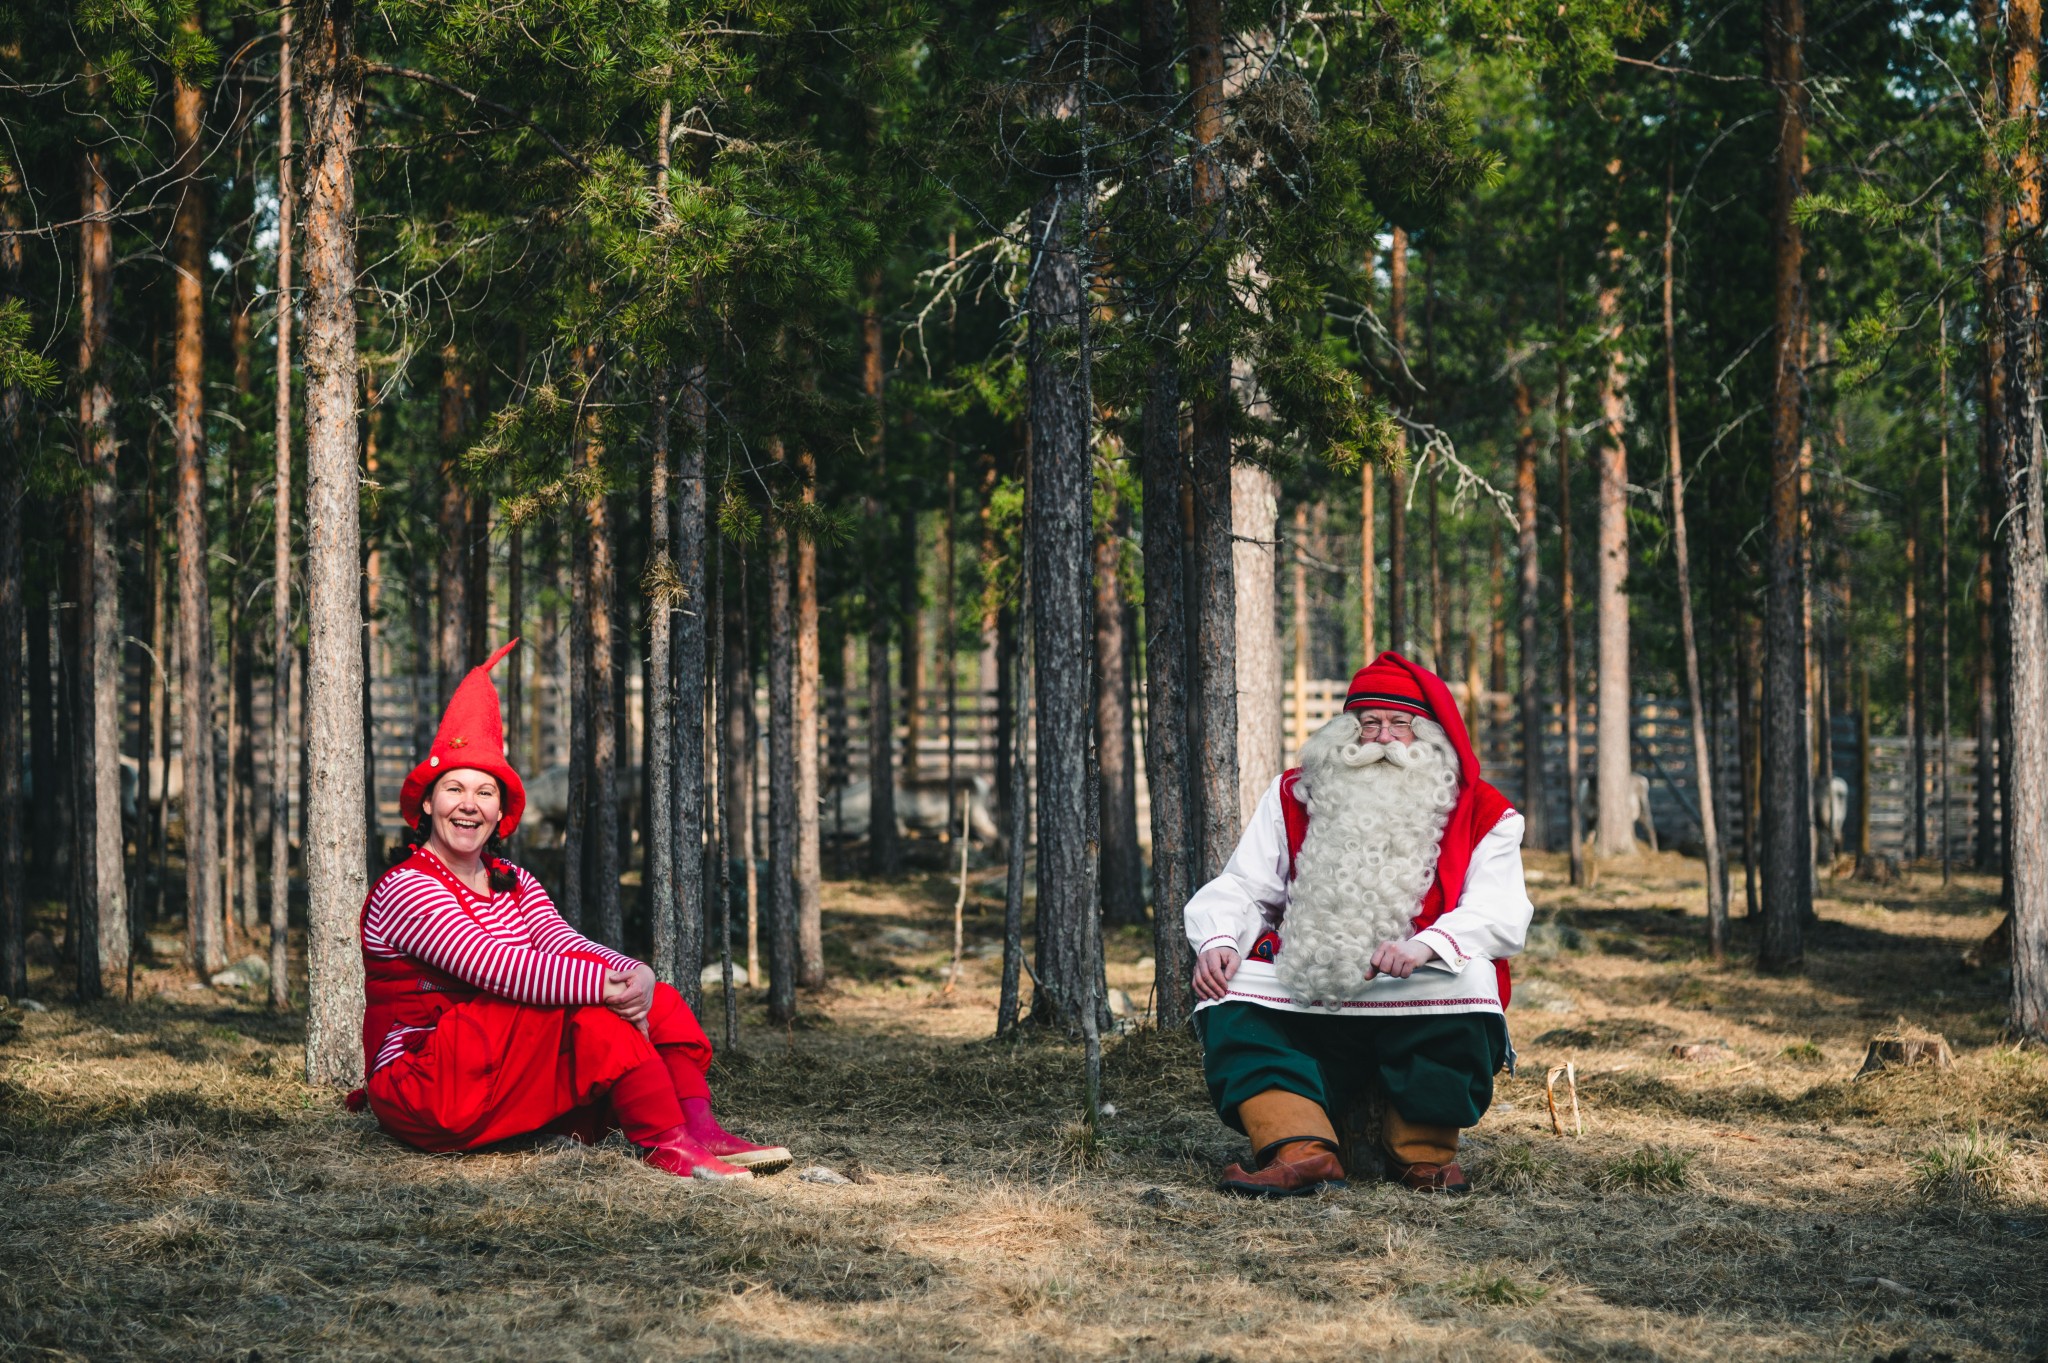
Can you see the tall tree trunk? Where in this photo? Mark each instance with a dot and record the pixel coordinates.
(1529, 581)
(1614, 823)
(600, 564)
(13, 490)
(910, 631)
(737, 764)
(1116, 758)
(102, 580)
(1215, 623)
(1261, 697)
(662, 584)
(1496, 615)
(2026, 555)
(334, 685)
(884, 854)
(451, 585)
(1787, 832)
(1397, 499)
(1916, 744)
(1164, 474)
(1990, 442)
(808, 866)
(577, 902)
(281, 546)
(663, 909)
(781, 897)
(148, 771)
(44, 829)
(1059, 510)
(1749, 734)
(206, 950)
(693, 684)
(1567, 606)
(1942, 579)
(1297, 583)
(476, 591)
(1702, 756)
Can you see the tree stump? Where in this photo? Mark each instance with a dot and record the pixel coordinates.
(1904, 1047)
(1358, 1135)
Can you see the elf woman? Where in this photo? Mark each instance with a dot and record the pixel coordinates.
(488, 1016)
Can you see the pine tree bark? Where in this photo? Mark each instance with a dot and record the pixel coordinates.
(780, 900)
(1567, 604)
(102, 640)
(13, 565)
(1121, 866)
(1704, 782)
(1215, 623)
(1529, 581)
(575, 899)
(1915, 716)
(1786, 841)
(1990, 494)
(884, 854)
(1397, 473)
(809, 861)
(451, 586)
(736, 766)
(334, 682)
(1164, 474)
(692, 685)
(601, 565)
(281, 545)
(1614, 826)
(663, 910)
(1261, 691)
(13, 491)
(2026, 552)
(1059, 519)
(206, 950)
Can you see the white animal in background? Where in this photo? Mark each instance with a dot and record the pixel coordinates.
(547, 804)
(921, 807)
(1638, 803)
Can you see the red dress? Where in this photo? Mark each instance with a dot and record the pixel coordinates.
(485, 1018)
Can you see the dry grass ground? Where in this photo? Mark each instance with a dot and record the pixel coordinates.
(169, 1190)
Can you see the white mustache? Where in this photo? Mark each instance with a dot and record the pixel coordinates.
(1396, 754)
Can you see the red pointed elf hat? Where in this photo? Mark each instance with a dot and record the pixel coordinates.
(472, 738)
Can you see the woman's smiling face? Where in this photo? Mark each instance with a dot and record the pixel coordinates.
(465, 805)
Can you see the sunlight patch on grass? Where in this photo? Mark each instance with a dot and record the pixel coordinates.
(1970, 1167)
(1651, 1169)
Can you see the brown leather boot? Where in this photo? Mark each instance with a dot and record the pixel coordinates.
(1294, 1148)
(1295, 1168)
(1421, 1157)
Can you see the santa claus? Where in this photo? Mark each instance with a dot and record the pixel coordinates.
(489, 1017)
(1358, 939)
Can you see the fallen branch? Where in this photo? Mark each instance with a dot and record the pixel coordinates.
(1571, 1083)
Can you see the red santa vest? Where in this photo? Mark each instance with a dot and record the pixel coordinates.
(1470, 821)
(400, 991)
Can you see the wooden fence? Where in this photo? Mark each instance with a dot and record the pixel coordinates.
(1661, 738)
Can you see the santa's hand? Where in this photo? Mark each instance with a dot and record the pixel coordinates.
(1398, 959)
(1213, 969)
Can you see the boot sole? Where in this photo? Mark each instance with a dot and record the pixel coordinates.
(1260, 1191)
(762, 1161)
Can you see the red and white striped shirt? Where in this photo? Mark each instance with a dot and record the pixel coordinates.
(511, 943)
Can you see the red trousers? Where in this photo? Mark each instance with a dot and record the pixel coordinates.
(493, 1069)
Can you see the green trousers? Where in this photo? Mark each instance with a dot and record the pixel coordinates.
(1436, 1069)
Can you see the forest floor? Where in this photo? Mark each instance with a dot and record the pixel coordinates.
(170, 1190)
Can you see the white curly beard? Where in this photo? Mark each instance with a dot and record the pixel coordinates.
(1376, 815)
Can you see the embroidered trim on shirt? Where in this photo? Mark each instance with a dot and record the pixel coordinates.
(1219, 937)
(1384, 1003)
(1463, 955)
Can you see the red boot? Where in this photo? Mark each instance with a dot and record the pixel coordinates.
(705, 1131)
(679, 1155)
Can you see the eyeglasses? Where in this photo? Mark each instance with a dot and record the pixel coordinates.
(1372, 728)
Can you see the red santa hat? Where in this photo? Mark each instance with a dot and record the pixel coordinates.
(1391, 682)
(472, 738)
